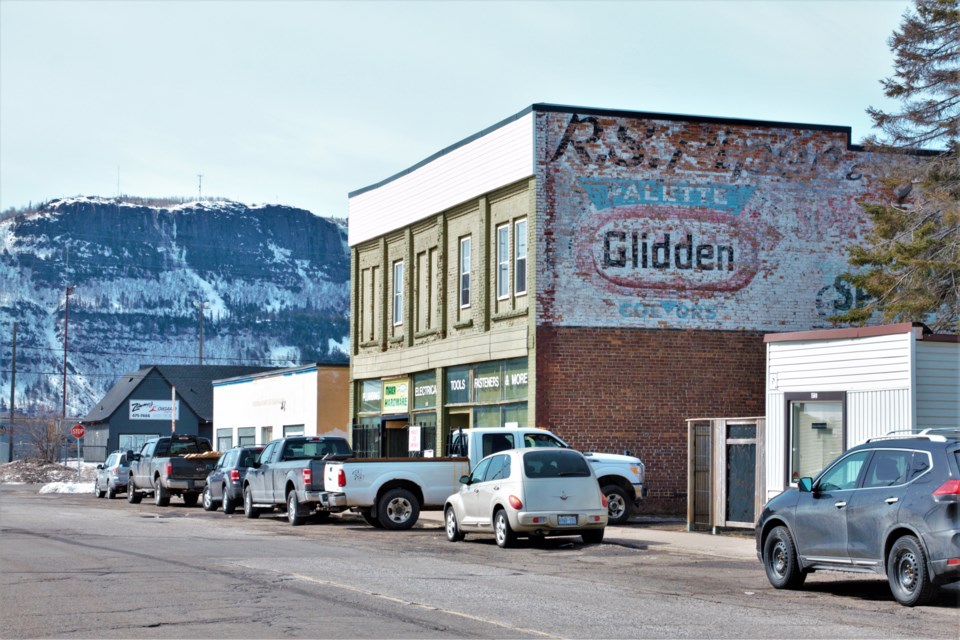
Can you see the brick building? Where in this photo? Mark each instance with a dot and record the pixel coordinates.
(604, 274)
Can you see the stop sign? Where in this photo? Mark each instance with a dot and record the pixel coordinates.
(77, 431)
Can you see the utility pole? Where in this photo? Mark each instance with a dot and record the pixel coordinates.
(13, 389)
(199, 186)
(66, 325)
(201, 305)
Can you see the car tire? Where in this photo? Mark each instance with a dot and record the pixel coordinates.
(371, 519)
(248, 509)
(96, 489)
(294, 516)
(594, 536)
(907, 573)
(229, 504)
(502, 531)
(161, 497)
(111, 492)
(454, 534)
(190, 499)
(780, 560)
(398, 510)
(208, 503)
(132, 496)
(618, 504)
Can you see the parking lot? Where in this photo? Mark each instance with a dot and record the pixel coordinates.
(75, 566)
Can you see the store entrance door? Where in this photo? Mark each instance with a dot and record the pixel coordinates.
(395, 438)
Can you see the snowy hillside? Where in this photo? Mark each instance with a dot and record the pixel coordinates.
(275, 281)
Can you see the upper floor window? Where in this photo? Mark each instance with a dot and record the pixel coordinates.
(398, 292)
(520, 258)
(503, 262)
(464, 272)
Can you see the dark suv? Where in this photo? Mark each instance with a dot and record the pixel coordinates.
(889, 506)
(225, 482)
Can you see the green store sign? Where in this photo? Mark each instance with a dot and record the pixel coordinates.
(396, 396)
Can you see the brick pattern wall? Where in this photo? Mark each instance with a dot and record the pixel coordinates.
(610, 390)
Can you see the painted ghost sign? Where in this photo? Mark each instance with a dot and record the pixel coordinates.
(693, 224)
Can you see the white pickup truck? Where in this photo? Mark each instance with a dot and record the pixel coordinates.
(390, 492)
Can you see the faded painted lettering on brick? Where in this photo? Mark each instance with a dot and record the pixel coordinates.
(690, 224)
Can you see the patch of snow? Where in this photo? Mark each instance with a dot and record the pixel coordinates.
(343, 346)
(67, 487)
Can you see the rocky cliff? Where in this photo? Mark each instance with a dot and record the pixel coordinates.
(272, 281)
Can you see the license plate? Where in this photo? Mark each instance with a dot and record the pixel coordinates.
(567, 521)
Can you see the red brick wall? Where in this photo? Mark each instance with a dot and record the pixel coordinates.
(614, 389)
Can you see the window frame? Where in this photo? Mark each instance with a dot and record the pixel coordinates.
(398, 293)
(809, 396)
(517, 258)
(465, 274)
(503, 262)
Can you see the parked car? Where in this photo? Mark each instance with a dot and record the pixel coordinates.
(889, 506)
(112, 475)
(163, 467)
(528, 492)
(225, 482)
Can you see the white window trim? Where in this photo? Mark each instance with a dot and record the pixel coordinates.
(516, 257)
(504, 296)
(397, 293)
(465, 241)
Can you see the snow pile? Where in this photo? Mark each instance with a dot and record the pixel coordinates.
(33, 471)
(67, 487)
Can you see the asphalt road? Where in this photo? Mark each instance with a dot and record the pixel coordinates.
(76, 566)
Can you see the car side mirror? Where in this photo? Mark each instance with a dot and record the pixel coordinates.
(99, 467)
(805, 485)
(464, 479)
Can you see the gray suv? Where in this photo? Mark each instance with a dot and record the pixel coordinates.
(112, 475)
(889, 506)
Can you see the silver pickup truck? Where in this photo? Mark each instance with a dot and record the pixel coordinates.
(161, 469)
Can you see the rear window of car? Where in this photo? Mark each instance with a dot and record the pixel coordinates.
(558, 463)
(247, 457)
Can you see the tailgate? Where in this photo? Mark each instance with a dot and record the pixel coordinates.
(194, 468)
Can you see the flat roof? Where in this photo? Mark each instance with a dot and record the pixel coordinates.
(863, 332)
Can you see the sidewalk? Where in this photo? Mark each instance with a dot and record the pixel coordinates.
(665, 535)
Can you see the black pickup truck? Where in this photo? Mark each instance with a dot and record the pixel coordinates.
(161, 469)
(289, 473)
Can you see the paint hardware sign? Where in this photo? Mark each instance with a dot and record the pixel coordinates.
(396, 396)
(154, 410)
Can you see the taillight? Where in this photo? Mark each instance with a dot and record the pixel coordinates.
(169, 469)
(515, 503)
(603, 500)
(307, 476)
(341, 479)
(949, 490)
(234, 475)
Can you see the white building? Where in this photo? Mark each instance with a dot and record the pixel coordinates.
(308, 400)
(830, 390)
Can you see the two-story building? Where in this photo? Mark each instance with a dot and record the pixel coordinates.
(604, 274)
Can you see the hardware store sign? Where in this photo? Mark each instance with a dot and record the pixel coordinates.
(396, 396)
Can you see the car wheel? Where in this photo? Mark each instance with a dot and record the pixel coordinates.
(111, 491)
(161, 497)
(96, 489)
(592, 537)
(780, 560)
(398, 509)
(454, 534)
(208, 503)
(371, 519)
(248, 509)
(229, 504)
(907, 573)
(505, 536)
(293, 509)
(618, 504)
(132, 496)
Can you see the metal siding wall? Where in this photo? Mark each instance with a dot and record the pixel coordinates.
(875, 413)
(858, 364)
(495, 160)
(774, 445)
(938, 384)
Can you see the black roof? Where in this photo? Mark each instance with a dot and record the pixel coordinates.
(194, 384)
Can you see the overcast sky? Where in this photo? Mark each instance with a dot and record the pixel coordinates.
(301, 102)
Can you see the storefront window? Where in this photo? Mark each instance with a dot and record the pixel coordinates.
(515, 413)
(427, 421)
(246, 436)
(486, 382)
(135, 441)
(425, 390)
(224, 439)
(458, 385)
(370, 396)
(515, 379)
(486, 417)
(816, 436)
(366, 437)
